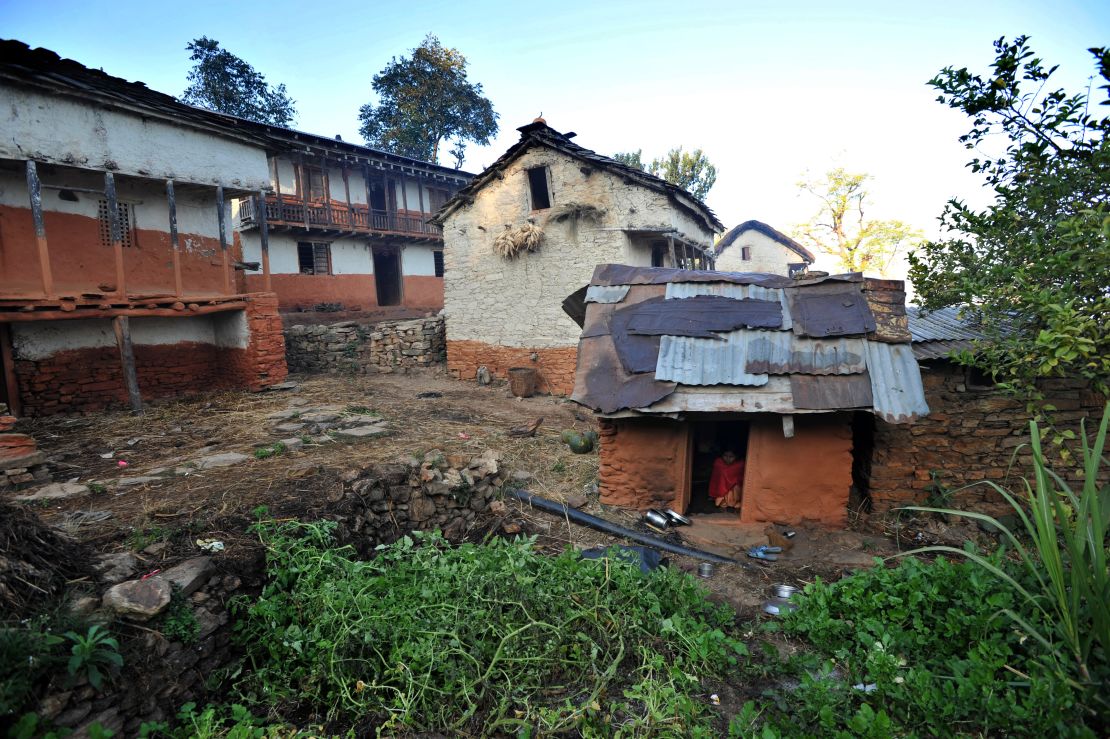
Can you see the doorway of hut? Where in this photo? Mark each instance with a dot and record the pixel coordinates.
(387, 275)
(710, 441)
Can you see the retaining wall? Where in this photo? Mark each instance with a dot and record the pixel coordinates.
(353, 348)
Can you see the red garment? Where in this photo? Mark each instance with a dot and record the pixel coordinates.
(725, 477)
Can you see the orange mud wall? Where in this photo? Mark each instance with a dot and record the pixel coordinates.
(556, 366)
(645, 463)
(803, 479)
(80, 263)
(353, 292)
(423, 292)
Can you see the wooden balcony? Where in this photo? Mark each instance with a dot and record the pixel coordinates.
(292, 212)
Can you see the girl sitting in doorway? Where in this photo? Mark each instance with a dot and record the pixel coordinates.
(726, 484)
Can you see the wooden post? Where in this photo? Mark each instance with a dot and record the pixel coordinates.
(420, 194)
(264, 235)
(122, 326)
(347, 193)
(7, 359)
(175, 240)
(327, 196)
(116, 232)
(305, 181)
(277, 188)
(35, 189)
(223, 238)
(369, 207)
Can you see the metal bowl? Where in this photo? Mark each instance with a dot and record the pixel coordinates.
(657, 519)
(677, 517)
(784, 591)
(779, 606)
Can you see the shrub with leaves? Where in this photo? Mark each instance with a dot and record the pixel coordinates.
(491, 639)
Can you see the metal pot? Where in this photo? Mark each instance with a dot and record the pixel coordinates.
(705, 569)
(657, 519)
(677, 517)
(779, 606)
(784, 591)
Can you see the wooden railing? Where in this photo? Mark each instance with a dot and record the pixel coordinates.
(336, 216)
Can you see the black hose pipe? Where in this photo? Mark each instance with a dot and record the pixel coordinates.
(601, 524)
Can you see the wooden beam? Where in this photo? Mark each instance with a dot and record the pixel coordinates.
(347, 193)
(175, 240)
(34, 187)
(277, 178)
(111, 312)
(223, 238)
(116, 232)
(11, 383)
(264, 236)
(122, 327)
(420, 195)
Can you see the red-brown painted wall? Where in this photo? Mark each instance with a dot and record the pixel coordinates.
(643, 462)
(556, 366)
(353, 292)
(83, 380)
(423, 292)
(80, 264)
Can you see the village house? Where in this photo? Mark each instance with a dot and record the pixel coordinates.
(683, 366)
(753, 246)
(347, 226)
(119, 271)
(529, 230)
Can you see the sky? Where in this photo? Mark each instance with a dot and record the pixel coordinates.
(771, 91)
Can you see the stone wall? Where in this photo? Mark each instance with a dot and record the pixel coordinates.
(971, 434)
(353, 348)
(376, 504)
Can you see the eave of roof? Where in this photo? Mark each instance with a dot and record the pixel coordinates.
(540, 134)
(772, 233)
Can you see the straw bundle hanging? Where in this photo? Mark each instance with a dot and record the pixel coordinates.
(512, 242)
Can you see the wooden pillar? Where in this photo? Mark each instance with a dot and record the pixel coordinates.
(122, 326)
(35, 189)
(347, 193)
(116, 232)
(327, 196)
(277, 188)
(226, 262)
(369, 207)
(7, 359)
(304, 183)
(175, 240)
(264, 236)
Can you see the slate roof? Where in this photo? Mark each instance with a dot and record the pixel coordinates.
(772, 233)
(670, 342)
(44, 69)
(538, 133)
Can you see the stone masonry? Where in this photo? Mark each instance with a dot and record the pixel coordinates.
(353, 348)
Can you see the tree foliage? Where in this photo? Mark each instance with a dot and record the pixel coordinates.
(841, 228)
(1034, 266)
(223, 82)
(424, 100)
(690, 170)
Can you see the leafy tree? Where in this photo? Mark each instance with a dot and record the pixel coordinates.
(690, 170)
(424, 100)
(841, 228)
(223, 82)
(1034, 266)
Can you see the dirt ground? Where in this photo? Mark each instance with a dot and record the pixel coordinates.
(422, 412)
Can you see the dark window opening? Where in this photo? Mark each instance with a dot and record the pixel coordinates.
(746, 253)
(313, 258)
(436, 199)
(537, 182)
(711, 440)
(863, 446)
(659, 254)
(437, 258)
(977, 378)
(104, 214)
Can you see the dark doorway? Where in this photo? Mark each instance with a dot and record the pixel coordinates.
(711, 440)
(387, 275)
(863, 445)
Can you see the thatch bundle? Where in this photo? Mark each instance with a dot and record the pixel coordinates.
(512, 242)
(36, 562)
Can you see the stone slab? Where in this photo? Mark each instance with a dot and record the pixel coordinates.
(56, 491)
(191, 574)
(139, 600)
(360, 432)
(226, 459)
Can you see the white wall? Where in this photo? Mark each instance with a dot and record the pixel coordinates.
(519, 302)
(39, 340)
(65, 130)
(287, 176)
(767, 255)
(348, 256)
(417, 261)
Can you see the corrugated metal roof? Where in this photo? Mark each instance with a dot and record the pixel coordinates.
(691, 361)
(939, 349)
(606, 293)
(782, 353)
(944, 324)
(895, 382)
(681, 290)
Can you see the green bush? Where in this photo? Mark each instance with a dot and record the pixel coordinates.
(491, 639)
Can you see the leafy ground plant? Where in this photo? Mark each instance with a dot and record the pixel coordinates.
(93, 652)
(491, 639)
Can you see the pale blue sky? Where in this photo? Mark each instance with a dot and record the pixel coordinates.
(768, 89)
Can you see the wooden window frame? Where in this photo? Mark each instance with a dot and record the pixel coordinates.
(319, 249)
(126, 225)
(745, 253)
(437, 260)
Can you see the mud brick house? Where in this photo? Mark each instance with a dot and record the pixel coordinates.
(347, 225)
(974, 432)
(118, 281)
(753, 246)
(682, 365)
(530, 229)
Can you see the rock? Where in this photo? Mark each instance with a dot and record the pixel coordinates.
(117, 567)
(360, 432)
(190, 575)
(522, 476)
(293, 443)
(289, 428)
(511, 528)
(577, 501)
(50, 706)
(84, 605)
(320, 416)
(298, 402)
(284, 415)
(485, 465)
(139, 600)
(131, 482)
(455, 530)
(483, 375)
(156, 548)
(287, 385)
(498, 508)
(220, 460)
(453, 479)
(361, 419)
(56, 491)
